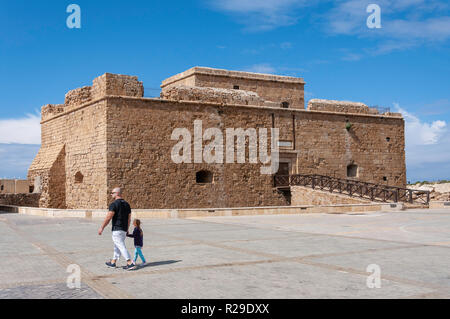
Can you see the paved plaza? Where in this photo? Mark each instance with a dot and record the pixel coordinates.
(274, 256)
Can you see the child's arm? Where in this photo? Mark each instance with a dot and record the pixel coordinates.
(131, 235)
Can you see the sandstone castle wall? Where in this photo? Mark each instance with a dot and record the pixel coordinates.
(108, 135)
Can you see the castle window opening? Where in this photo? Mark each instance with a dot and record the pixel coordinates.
(283, 169)
(287, 195)
(204, 177)
(79, 178)
(388, 139)
(285, 105)
(352, 170)
(236, 87)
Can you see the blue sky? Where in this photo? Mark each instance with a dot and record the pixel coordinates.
(403, 65)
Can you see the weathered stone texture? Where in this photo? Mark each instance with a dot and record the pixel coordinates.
(51, 110)
(47, 175)
(327, 147)
(344, 107)
(117, 138)
(139, 157)
(7, 186)
(117, 84)
(81, 135)
(308, 196)
(273, 88)
(214, 95)
(25, 200)
(78, 97)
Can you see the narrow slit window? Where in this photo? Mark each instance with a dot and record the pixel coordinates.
(79, 178)
(352, 170)
(204, 177)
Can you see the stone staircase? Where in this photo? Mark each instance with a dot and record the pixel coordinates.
(357, 189)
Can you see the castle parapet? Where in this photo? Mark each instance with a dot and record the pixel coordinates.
(280, 90)
(213, 95)
(117, 84)
(78, 97)
(345, 107)
(105, 85)
(51, 110)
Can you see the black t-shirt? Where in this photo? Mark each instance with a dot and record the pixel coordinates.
(121, 211)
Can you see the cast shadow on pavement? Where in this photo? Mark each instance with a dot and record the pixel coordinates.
(156, 263)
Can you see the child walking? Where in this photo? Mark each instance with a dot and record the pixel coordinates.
(138, 236)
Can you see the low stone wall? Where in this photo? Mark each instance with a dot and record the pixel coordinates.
(213, 212)
(308, 196)
(439, 204)
(25, 200)
(215, 95)
(339, 106)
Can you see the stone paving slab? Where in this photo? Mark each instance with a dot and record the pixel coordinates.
(164, 257)
(314, 245)
(286, 280)
(15, 269)
(428, 265)
(54, 291)
(283, 256)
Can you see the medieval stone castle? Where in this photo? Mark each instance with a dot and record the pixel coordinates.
(108, 135)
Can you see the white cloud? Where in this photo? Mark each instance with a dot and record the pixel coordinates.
(259, 15)
(26, 130)
(420, 133)
(261, 68)
(405, 23)
(427, 148)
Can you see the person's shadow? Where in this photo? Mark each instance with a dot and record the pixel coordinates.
(156, 263)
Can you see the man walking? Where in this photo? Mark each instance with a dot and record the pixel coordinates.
(120, 214)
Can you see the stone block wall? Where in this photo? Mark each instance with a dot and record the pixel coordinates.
(47, 175)
(70, 169)
(7, 186)
(51, 110)
(139, 157)
(139, 148)
(117, 84)
(272, 88)
(78, 97)
(107, 135)
(344, 107)
(25, 200)
(375, 144)
(14, 186)
(214, 95)
(82, 132)
(308, 196)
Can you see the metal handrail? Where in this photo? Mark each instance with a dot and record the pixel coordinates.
(372, 191)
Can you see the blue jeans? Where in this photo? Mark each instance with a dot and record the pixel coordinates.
(138, 252)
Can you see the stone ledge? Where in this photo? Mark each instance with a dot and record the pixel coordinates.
(345, 107)
(20, 199)
(204, 212)
(269, 108)
(228, 73)
(439, 204)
